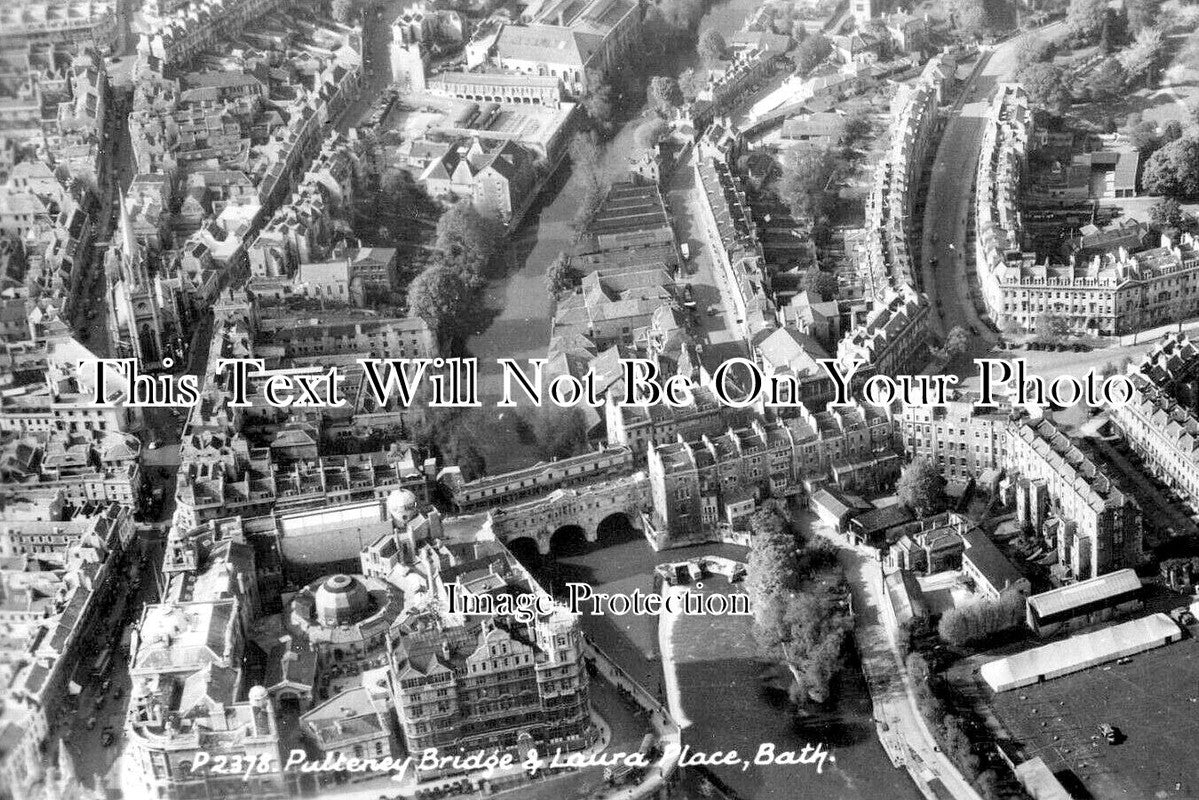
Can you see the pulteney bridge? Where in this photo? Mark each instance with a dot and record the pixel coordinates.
(585, 507)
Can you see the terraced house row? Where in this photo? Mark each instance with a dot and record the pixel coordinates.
(1106, 291)
(889, 261)
(1160, 420)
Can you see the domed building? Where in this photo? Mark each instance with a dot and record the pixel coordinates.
(345, 617)
(341, 600)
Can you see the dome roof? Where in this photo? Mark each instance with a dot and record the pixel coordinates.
(402, 505)
(341, 600)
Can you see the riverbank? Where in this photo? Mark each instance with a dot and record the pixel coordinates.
(520, 307)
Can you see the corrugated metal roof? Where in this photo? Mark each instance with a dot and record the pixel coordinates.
(1090, 591)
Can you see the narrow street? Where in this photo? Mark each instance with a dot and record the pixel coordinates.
(708, 285)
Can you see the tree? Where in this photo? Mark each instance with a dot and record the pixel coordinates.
(1052, 327)
(811, 52)
(559, 432)
(807, 182)
(1166, 213)
(466, 240)
(813, 634)
(970, 17)
(1142, 14)
(342, 11)
(1084, 19)
(650, 132)
(560, 276)
(824, 284)
(1047, 87)
(589, 204)
(712, 46)
(1174, 169)
(597, 100)
(921, 487)
(440, 297)
(1142, 59)
(466, 455)
(772, 570)
(1143, 137)
(404, 193)
(1036, 49)
(1106, 82)
(691, 83)
(956, 341)
(665, 94)
(1172, 131)
(586, 159)
(858, 126)
(981, 619)
(679, 16)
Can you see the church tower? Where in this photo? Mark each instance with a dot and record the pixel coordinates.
(135, 302)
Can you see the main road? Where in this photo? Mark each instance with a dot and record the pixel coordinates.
(950, 282)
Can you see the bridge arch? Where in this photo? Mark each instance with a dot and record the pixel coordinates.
(527, 547)
(569, 539)
(616, 526)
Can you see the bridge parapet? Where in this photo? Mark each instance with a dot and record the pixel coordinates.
(586, 507)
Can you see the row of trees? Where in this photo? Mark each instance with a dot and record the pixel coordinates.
(952, 731)
(796, 619)
(586, 160)
(980, 620)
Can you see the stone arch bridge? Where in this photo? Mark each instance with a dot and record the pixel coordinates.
(586, 507)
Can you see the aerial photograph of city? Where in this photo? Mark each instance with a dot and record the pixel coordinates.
(599, 399)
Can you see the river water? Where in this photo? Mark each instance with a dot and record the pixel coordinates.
(523, 309)
(722, 678)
